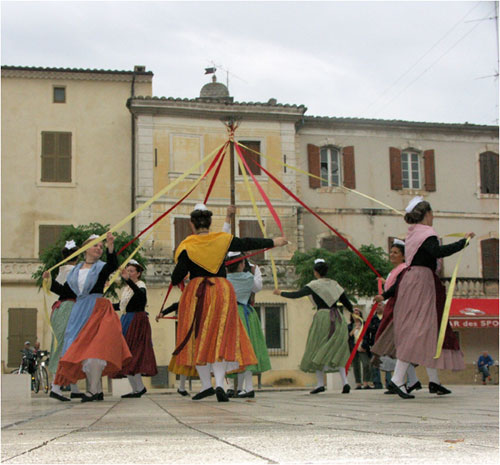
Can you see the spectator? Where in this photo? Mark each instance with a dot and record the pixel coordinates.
(29, 357)
(361, 358)
(369, 340)
(483, 365)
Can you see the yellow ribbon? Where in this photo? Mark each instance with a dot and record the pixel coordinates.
(259, 219)
(325, 180)
(449, 298)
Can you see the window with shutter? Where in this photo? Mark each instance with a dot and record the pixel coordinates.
(332, 243)
(56, 157)
(348, 165)
(330, 170)
(251, 228)
(395, 167)
(429, 171)
(48, 234)
(313, 165)
(250, 155)
(22, 328)
(182, 228)
(488, 166)
(411, 171)
(489, 258)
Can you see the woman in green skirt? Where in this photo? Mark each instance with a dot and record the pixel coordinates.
(327, 348)
(244, 284)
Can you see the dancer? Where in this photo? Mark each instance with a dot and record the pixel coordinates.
(419, 304)
(136, 330)
(244, 284)
(384, 338)
(93, 342)
(327, 349)
(210, 333)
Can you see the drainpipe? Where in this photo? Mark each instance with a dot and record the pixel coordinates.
(132, 207)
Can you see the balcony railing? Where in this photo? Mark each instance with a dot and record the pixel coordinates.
(473, 287)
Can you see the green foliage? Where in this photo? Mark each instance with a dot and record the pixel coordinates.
(346, 268)
(53, 254)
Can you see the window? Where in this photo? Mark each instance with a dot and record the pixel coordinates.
(274, 325)
(22, 327)
(182, 228)
(489, 258)
(251, 228)
(411, 172)
(248, 155)
(48, 234)
(59, 95)
(333, 164)
(488, 168)
(56, 157)
(332, 243)
(330, 166)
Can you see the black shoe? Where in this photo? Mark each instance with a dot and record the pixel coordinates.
(57, 396)
(129, 395)
(378, 386)
(100, 396)
(389, 392)
(416, 387)
(77, 395)
(90, 398)
(221, 395)
(318, 389)
(367, 387)
(183, 393)
(358, 387)
(205, 393)
(438, 389)
(140, 393)
(232, 393)
(399, 392)
(346, 389)
(244, 394)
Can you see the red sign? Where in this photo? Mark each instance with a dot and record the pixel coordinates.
(474, 313)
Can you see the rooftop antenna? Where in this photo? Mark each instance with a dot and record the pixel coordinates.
(214, 68)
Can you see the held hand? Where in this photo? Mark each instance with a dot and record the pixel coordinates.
(125, 274)
(280, 241)
(277, 292)
(378, 298)
(470, 234)
(110, 241)
(157, 318)
(231, 210)
(382, 280)
(45, 275)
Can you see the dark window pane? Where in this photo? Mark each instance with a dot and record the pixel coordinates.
(273, 328)
(59, 95)
(249, 155)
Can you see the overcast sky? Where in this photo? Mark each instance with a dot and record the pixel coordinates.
(417, 61)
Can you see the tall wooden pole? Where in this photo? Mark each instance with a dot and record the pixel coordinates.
(231, 181)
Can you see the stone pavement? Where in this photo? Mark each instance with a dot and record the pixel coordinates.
(363, 427)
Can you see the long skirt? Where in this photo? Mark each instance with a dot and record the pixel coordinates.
(252, 324)
(323, 352)
(209, 328)
(384, 339)
(418, 311)
(100, 337)
(58, 321)
(137, 333)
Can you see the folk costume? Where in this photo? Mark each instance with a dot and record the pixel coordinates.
(210, 334)
(327, 348)
(136, 330)
(244, 284)
(93, 342)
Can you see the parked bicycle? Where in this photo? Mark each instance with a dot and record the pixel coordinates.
(35, 364)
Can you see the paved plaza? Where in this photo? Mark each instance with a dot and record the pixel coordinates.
(277, 427)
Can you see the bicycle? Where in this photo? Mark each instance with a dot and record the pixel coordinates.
(35, 365)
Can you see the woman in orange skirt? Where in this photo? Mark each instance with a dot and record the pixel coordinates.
(210, 334)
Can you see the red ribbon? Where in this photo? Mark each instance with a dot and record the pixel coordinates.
(238, 259)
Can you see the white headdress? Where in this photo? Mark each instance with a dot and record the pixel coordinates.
(413, 203)
(398, 242)
(233, 254)
(92, 236)
(70, 245)
(319, 260)
(200, 206)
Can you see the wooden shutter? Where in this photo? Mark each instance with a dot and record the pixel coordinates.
(488, 165)
(22, 327)
(249, 156)
(313, 159)
(429, 171)
(349, 172)
(396, 170)
(182, 230)
(48, 234)
(56, 157)
(251, 228)
(489, 258)
(333, 244)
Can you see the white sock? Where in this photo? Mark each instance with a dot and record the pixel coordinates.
(74, 388)
(432, 373)
(219, 369)
(241, 378)
(320, 378)
(182, 382)
(411, 375)
(93, 367)
(139, 383)
(204, 373)
(248, 381)
(57, 389)
(399, 373)
(343, 376)
(131, 380)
